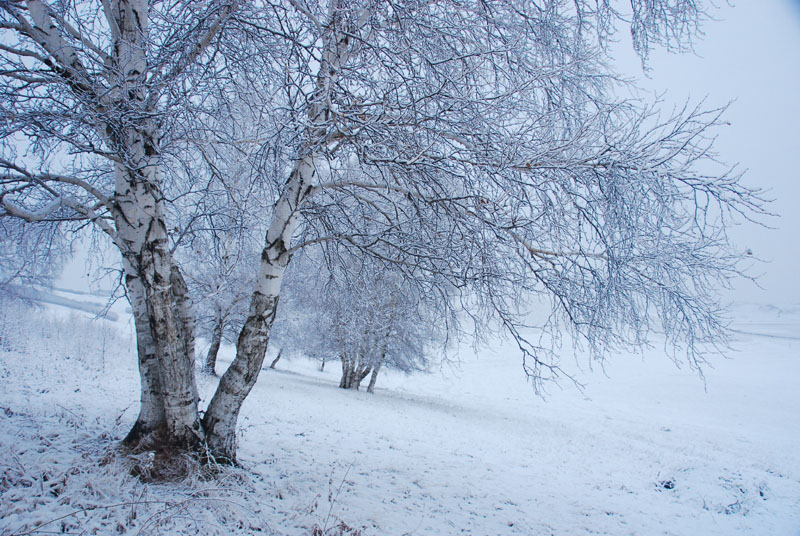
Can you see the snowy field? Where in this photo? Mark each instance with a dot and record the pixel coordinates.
(645, 450)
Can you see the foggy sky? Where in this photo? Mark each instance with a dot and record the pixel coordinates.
(750, 55)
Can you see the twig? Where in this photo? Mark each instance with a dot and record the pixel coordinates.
(338, 491)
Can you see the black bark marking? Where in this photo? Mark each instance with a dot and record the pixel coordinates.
(150, 148)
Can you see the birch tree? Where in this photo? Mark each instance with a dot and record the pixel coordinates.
(91, 92)
(384, 325)
(472, 145)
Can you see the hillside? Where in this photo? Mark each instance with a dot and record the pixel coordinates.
(645, 449)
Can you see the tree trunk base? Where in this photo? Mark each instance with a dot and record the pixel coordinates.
(220, 451)
(142, 438)
(164, 465)
(154, 457)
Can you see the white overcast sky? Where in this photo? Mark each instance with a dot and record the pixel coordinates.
(749, 55)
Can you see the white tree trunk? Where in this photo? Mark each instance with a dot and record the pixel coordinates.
(152, 418)
(122, 105)
(182, 305)
(147, 262)
(219, 421)
(374, 377)
(222, 414)
(142, 232)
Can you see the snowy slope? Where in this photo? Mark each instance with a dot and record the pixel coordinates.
(645, 450)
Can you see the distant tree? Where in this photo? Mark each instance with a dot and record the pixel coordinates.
(220, 280)
(388, 325)
(417, 334)
(301, 326)
(30, 255)
(365, 315)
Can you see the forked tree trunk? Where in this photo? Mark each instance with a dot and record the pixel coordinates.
(210, 365)
(125, 115)
(354, 370)
(164, 322)
(160, 301)
(151, 428)
(143, 240)
(142, 236)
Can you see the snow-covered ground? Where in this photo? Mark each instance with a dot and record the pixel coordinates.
(647, 449)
